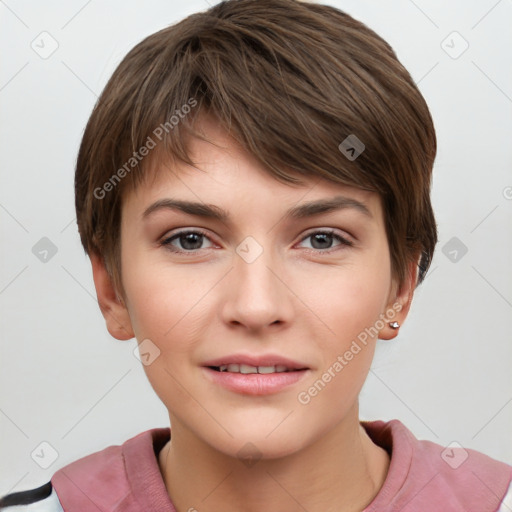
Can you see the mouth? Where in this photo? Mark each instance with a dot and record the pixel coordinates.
(255, 374)
(248, 369)
(252, 375)
(254, 363)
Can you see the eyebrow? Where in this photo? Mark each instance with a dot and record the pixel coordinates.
(301, 211)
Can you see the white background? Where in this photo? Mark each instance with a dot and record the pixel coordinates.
(64, 380)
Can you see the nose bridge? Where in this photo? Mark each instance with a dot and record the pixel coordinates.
(257, 296)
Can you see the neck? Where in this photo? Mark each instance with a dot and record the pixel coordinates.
(342, 471)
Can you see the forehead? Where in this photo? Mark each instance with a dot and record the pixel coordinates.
(227, 175)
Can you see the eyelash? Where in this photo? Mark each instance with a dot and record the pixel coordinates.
(343, 241)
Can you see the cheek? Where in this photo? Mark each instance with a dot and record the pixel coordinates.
(349, 301)
(349, 305)
(167, 305)
(166, 308)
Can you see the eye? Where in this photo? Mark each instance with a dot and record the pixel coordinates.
(190, 241)
(322, 240)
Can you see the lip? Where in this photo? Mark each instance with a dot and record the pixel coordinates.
(261, 360)
(255, 383)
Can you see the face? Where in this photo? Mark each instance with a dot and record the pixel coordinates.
(259, 283)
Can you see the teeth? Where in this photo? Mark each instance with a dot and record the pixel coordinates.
(245, 368)
(266, 369)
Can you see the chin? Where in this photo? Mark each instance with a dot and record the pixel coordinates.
(251, 449)
(258, 439)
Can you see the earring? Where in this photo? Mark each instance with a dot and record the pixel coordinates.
(394, 325)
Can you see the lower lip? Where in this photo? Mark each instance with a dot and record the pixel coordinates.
(255, 383)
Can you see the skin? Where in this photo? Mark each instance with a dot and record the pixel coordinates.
(299, 299)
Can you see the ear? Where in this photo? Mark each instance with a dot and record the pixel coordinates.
(113, 309)
(399, 302)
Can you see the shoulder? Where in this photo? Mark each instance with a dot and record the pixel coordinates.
(40, 499)
(113, 477)
(105, 475)
(456, 478)
(424, 475)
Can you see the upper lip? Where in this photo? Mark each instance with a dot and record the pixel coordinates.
(252, 360)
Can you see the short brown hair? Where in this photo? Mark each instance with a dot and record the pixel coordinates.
(290, 80)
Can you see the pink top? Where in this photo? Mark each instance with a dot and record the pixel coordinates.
(422, 476)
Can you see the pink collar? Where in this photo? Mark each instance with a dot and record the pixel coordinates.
(422, 476)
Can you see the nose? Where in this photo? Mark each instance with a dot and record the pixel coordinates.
(257, 295)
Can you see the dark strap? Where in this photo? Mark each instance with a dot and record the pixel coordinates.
(26, 497)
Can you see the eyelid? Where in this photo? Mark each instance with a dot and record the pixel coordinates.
(344, 242)
(166, 238)
(169, 237)
(331, 231)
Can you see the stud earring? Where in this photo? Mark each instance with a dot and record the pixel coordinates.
(394, 325)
